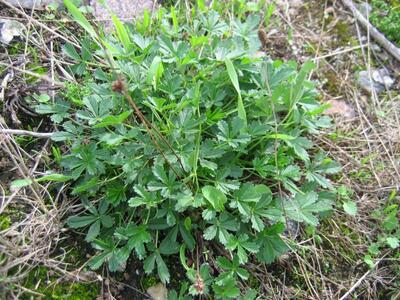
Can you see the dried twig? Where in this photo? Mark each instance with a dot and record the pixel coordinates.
(44, 135)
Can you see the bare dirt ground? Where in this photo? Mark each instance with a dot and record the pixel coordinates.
(366, 141)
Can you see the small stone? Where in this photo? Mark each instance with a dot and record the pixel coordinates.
(158, 292)
(382, 76)
(296, 3)
(376, 81)
(30, 4)
(125, 10)
(10, 29)
(260, 54)
(340, 108)
(292, 229)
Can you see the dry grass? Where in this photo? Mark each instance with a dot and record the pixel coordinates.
(35, 214)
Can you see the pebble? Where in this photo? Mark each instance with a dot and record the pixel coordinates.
(10, 29)
(125, 10)
(379, 80)
(29, 4)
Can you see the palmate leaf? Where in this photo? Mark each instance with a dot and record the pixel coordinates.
(220, 228)
(231, 269)
(86, 158)
(162, 269)
(115, 193)
(304, 208)
(254, 204)
(96, 219)
(231, 134)
(97, 109)
(108, 253)
(59, 110)
(215, 197)
(228, 290)
(271, 244)
(242, 244)
(113, 120)
(136, 237)
(81, 221)
(149, 199)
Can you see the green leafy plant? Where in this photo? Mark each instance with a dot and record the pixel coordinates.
(189, 144)
(389, 236)
(385, 16)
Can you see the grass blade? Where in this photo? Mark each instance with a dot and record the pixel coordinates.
(235, 81)
(122, 33)
(80, 18)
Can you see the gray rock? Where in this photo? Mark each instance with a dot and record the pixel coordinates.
(9, 29)
(377, 81)
(29, 4)
(292, 229)
(382, 76)
(125, 10)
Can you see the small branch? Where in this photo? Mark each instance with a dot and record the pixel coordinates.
(39, 76)
(359, 281)
(43, 135)
(379, 37)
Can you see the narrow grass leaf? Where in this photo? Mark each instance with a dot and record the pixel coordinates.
(122, 33)
(55, 177)
(80, 18)
(19, 183)
(235, 81)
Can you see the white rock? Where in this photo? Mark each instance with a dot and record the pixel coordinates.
(382, 76)
(37, 4)
(9, 29)
(377, 81)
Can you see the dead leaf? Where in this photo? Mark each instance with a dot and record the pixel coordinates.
(158, 292)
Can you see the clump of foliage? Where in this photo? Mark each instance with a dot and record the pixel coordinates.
(385, 16)
(389, 237)
(213, 158)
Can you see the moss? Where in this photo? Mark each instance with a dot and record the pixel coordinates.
(42, 282)
(253, 282)
(341, 32)
(333, 83)
(148, 281)
(5, 222)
